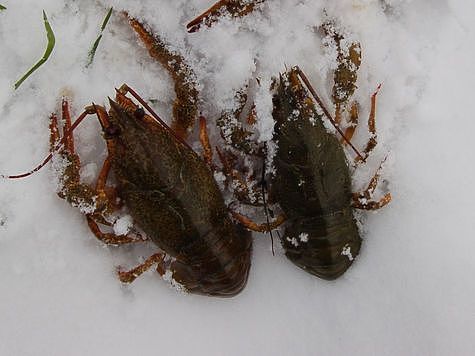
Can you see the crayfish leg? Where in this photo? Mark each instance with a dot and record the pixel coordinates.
(103, 175)
(372, 141)
(185, 108)
(235, 8)
(348, 58)
(363, 200)
(232, 129)
(360, 202)
(96, 202)
(204, 140)
(243, 189)
(70, 187)
(338, 115)
(351, 128)
(54, 136)
(69, 143)
(208, 17)
(111, 238)
(54, 130)
(253, 226)
(131, 275)
(108, 197)
(232, 125)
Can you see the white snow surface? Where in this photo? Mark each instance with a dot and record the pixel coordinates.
(410, 291)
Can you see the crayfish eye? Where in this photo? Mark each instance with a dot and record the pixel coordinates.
(111, 132)
(139, 113)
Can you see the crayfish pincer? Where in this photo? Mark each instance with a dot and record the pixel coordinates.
(312, 184)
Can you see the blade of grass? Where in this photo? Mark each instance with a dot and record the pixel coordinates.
(93, 50)
(49, 49)
(2, 7)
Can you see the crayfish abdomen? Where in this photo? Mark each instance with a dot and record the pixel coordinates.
(323, 245)
(312, 184)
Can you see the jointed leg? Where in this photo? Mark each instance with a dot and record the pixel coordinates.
(71, 187)
(110, 238)
(363, 200)
(350, 130)
(371, 127)
(359, 202)
(252, 116)
(104, 192)
(237, 178)
(251, 225)
(235, 8)
(204, 139)
(69, 143)
(101, 199)
(109, 204)
(54, 136)
(338, 114)
(185, 107)
(243, 192)
(130, 276)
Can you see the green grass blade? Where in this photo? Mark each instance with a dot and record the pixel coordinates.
(106, 20)
(2, 7)
(93, 50)
(49, 49)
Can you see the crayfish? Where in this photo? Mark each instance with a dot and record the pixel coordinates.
(167, 189)
(312, 182)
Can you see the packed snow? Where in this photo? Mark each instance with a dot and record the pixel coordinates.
(410, 290)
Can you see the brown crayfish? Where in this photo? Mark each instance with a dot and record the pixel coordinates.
(168, 190)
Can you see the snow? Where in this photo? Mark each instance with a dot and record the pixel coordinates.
(303, 237)
(168, 276)
(409, 292)
(123, 225)
(346, 251)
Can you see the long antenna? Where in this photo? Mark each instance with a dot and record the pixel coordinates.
(53, 151)
(325, 111)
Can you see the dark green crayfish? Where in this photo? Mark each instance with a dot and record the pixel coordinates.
(312, 184)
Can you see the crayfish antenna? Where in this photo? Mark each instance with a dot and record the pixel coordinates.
(55, 149)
